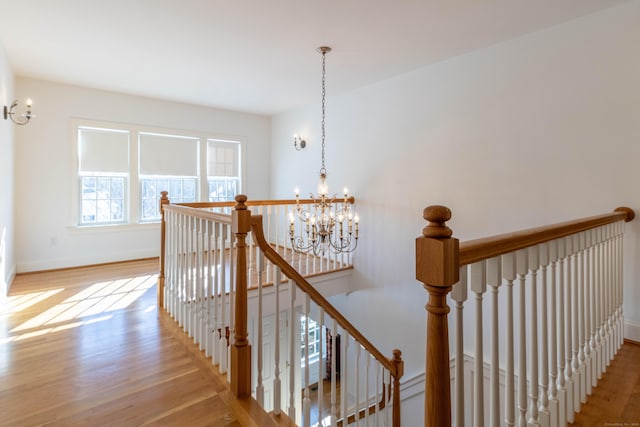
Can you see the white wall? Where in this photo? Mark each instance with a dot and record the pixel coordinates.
(532, 131)
(45, 236)
(7, 258)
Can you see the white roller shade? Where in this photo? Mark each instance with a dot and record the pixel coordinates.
(103, 150)
(168, 155)
(223, 158)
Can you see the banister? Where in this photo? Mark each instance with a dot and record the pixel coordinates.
(199, 213)
(292, 273)
(439, 257)
(488, 247)
(230, 204)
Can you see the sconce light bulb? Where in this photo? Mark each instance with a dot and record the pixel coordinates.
(29, 102)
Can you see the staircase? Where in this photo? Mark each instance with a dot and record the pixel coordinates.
(565, 326)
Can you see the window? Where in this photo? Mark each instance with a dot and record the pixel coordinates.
(314, 345)
(103, 171)
(122, 170)
(223, 169)
(166, 163)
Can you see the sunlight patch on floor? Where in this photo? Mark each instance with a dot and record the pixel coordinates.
(99, 298)
(17, 303)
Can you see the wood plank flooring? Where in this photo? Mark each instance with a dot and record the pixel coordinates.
(88, 347)
(615, 402)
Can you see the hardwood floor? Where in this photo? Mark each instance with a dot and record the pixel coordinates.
(616, 400)
(87, 347)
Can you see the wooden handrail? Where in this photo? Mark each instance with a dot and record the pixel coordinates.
(200, 213)
(279, 202)
(488, 247)
(305, 286)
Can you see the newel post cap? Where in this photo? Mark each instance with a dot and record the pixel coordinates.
(437, 253)
(437, 216)
(241, 216)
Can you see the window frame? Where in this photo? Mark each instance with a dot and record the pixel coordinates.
(133, 190)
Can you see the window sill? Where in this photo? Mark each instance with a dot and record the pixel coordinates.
(113, 228)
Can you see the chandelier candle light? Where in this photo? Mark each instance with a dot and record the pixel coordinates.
(329, 225)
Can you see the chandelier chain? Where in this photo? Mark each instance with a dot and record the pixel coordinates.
(323, 170)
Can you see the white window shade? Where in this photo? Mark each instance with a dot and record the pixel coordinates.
(223, 158)
(168, 155)
(103, 150)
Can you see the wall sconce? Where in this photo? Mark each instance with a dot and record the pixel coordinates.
(22, 119)
(299, 143)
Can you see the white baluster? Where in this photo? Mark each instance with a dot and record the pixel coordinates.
(494, 280)
(601, 305)
(509, 271)
(569, 330)
(459, 295)
(277, 385)
(606, 299)
(587, 312)
(521, 269)
(292, 349)
(344, 376)
(366, 388)
(201, 301)
(478, 285)
(179, 310)
(619, 258)
(562, 387)
(376, 417)
(553, 338)
(578, 358)
(593, 295)
(321, 368)
(232, 292)
(609, 299)
(208, 290)
(544, 414)
(260, 386)
(224, 323)
(534, 393)
(191, 321)
(357, 384)
(334, 406)
(306, 399)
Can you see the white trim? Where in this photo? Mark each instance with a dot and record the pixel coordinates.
(632, 330)
(113, 228)
(82, 261)
(9, 280)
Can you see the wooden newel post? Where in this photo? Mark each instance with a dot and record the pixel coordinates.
(399, 364)
(240, 349)
(164, 200)
(437, 267)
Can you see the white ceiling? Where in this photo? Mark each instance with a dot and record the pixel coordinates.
(256, 55)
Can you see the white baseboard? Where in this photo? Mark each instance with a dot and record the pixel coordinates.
(8, 281)
(632, 330)
(27, 267)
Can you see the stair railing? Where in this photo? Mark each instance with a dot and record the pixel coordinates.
(569, 318)
(212, 256)
(275, 213)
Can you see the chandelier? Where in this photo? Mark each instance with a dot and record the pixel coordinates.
(329, 224)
